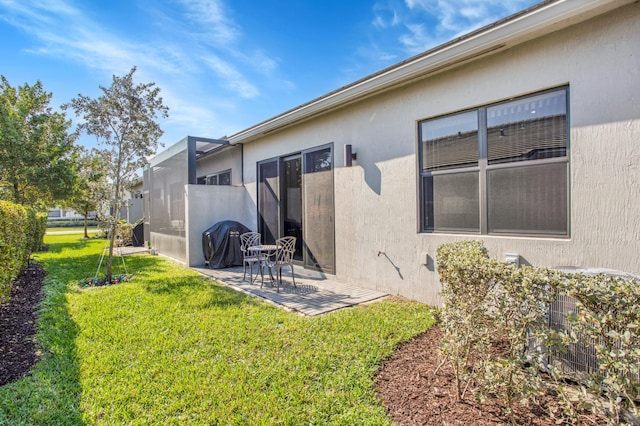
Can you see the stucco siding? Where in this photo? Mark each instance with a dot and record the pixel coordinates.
(208, 205)
(227, 159)
(378, 245)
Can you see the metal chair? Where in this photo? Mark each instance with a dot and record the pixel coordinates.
(251, 257)
(286, 247)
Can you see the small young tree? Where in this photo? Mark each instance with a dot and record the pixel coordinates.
(91, 186)
(37, 152)
(123, 120)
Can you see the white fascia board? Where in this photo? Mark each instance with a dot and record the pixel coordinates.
(540, 21)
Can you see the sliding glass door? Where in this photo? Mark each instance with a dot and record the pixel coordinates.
(291, 202)
(269, 201)
(295, 197)
(318, 209)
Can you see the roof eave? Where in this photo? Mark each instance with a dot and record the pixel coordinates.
(538, 20)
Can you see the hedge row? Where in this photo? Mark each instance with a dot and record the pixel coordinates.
(21, 233)
(497, 335)
(70, 223)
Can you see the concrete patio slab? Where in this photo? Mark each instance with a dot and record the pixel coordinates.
(314, 293)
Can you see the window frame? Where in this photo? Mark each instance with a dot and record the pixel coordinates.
(483, 168)
(205, 180)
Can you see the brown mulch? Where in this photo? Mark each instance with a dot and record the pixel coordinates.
(18, 351)
(408, 385)
(415, 394)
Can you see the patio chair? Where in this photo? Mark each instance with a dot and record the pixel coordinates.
(286, 246)
(251, 257)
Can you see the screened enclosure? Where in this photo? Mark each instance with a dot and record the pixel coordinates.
(165, 181)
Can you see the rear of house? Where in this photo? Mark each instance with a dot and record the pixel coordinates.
(523, 134)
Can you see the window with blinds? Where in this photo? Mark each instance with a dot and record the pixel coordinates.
(498, 169)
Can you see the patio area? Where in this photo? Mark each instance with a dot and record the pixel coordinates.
(314, 294)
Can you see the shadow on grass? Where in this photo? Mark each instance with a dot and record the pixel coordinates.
(51, 393)
(60, 247)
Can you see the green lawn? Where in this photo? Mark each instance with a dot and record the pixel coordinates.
(71, 228)
(171, 347)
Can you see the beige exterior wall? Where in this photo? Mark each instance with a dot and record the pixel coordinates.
(209, 204)
(378, 245)
(227, 159)
(134, 210)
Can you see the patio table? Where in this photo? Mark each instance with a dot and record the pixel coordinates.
(264, 248)
(267, 250)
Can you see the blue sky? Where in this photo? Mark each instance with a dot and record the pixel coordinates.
(222, 65)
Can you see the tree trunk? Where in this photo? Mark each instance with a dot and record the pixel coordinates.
(116, 210)
(114, 227)
(16, 193)
(86, 224)
(112, 238)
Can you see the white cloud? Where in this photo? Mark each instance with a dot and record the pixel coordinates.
(66, 33)
(385, 16)
(417, 39)
(220, 46)
(260, 61)
(399, 29)
(215, 26)
(448, 19)
(233, 78)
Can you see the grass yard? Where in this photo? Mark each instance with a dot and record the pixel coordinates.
(171, 347)
(51, 229)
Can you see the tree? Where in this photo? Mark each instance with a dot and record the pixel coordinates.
(123, 120)
(91, 186)
(37, 152)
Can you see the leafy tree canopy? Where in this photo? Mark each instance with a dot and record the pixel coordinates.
(37, 151)
(123, 120)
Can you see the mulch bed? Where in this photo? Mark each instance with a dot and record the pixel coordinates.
(407, 382)
(18, 351)
(415, 394)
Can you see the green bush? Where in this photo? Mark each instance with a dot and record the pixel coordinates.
(70, 223)
(608, 314)
(13, 245)
(36, 228)
(491, 312)
(497, 337)
(465, 319)
(21, 233)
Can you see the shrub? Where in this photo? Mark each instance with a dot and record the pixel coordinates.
(608, 314)
(13, 245)
(497, 337)
(520, 331)
(124, 233)
(491, 312)
(21, 233)
(70, 223)
(36, 228)
(464, 317)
